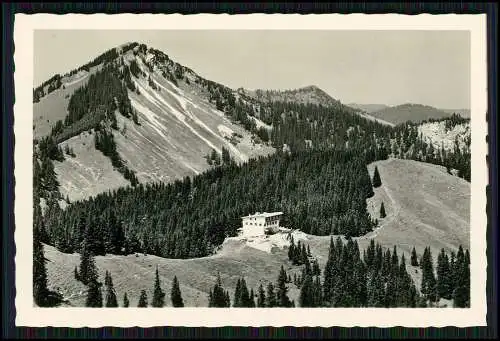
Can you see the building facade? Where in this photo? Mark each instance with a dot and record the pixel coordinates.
(261, 222)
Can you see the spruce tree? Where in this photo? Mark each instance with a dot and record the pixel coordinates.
(94, 295)
(382, 211)
(88, 271)
(175, 294)
(219, 298)
(414, 258)
(111, 301)
(317, 293)
(40, 290)
(158, 294)
(376, 178)
(244, 295)
(328, 272)
(77, 276)
(316, 270)
(291, 250)
(306, 292)
(143, 300)
(252, 299)
(227, 300)
(237, 295)
(261, 300)
(271, 296)
(283, 299)
(443, 276)
(428, 278)
(126, 302)
(461, 292)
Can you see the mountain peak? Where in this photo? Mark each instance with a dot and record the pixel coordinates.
(310, 94)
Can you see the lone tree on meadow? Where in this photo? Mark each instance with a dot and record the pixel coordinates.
(382, 211)
(158, 294)
(175, 294)
(376, 178)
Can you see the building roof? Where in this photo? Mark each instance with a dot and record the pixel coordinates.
(263, 214)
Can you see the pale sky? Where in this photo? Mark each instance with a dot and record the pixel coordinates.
(367, 67)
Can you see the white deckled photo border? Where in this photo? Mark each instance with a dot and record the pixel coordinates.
(28, 315)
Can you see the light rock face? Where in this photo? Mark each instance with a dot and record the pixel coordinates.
(437, 134)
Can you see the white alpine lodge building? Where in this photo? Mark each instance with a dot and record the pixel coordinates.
(261, 222)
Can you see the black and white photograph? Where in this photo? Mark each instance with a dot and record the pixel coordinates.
(178, 169)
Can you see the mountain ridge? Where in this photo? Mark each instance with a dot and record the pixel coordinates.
(402, 113)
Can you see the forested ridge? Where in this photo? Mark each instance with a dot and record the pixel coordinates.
(320, 192)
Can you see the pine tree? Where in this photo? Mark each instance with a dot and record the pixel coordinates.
(77, 276)
(428, 278)
(175, 294)
(227, 301)
(382, 211)
(261, 300)
(237, 295)
(244, 295)
(317, 293)
(316, 270)
(94, 295)
(88, 271)
(40, 290)
(443, 276)
(126, 302)
(158, 294)
(414, 259)
(252, 299)
(283, 299)
(376, 178)
(111, 301)
(218, 298)
(143, 300)
(306, 292)
(461, 292)
(271, 296)
(291, 250)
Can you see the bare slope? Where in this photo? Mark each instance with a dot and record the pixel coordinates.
(425, 206)
(409, 112)
(178, 126)
(133, 273)
(53, 107)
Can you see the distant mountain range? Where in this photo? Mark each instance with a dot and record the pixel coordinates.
(407, 112)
